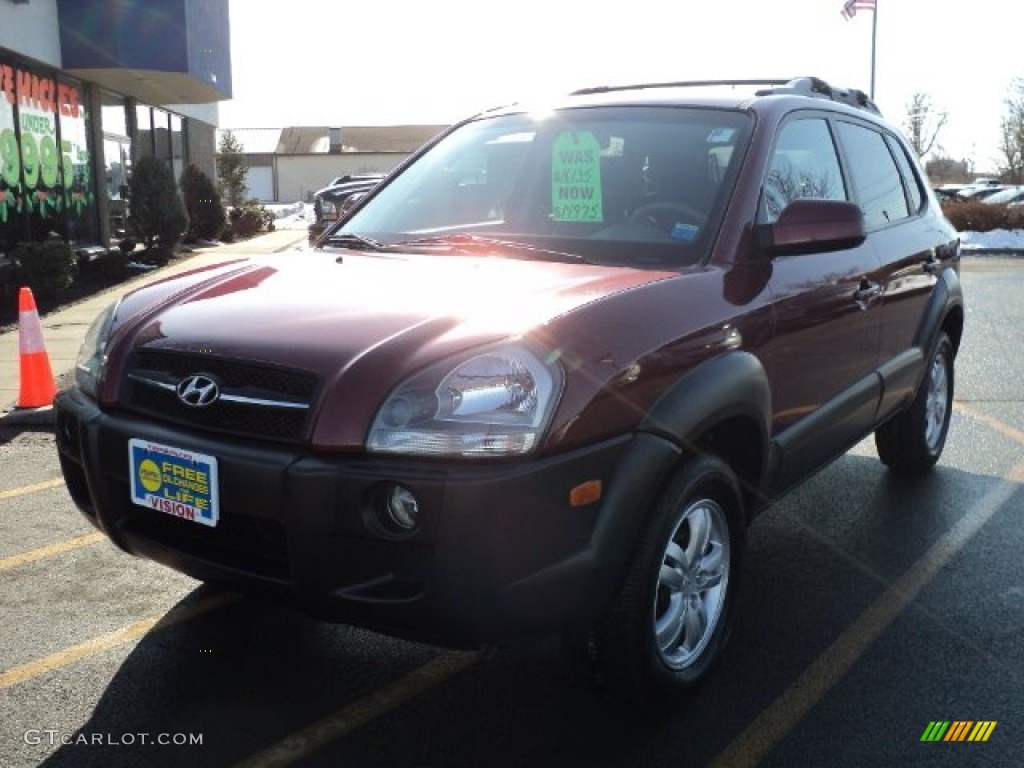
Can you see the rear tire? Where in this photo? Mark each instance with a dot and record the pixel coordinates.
(912, 441)
(674, 612)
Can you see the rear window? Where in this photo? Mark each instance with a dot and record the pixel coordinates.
(915, 188)
(878, 186)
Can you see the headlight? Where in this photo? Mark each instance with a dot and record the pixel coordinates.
(496, 403)
(92, 356)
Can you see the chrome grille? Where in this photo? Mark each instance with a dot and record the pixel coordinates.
(256, 400)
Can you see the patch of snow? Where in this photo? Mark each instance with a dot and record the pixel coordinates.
(997, 239)
(291, 216)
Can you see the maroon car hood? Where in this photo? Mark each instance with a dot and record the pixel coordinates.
(324, 311)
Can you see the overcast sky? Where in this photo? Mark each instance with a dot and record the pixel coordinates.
(327, 62)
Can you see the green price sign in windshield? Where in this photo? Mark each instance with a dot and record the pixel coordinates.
(576, 178)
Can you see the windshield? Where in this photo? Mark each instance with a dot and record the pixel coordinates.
(623, 185)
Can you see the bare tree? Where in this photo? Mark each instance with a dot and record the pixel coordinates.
(924, 122)
(787, 184)
(1011, 139)
(945, 170)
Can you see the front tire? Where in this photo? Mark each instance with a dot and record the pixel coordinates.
(674, 612)
(912, 441)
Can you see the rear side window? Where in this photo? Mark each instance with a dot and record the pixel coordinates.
(804, 164)
(913, 181)
(877, 184)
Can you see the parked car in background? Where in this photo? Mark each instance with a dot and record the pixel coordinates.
(1006, 196)
(329, 201)
(350, 177)
(948, 192)
(980, 193)
(540, 380)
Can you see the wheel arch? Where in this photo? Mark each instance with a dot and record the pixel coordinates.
(722, 408)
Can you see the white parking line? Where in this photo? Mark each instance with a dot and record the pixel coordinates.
(1004, 429)
(333, 727)
(776, 721)
(97, 645)
(27, 489)
(53, 549)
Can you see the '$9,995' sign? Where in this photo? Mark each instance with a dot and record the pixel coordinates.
(37, 157)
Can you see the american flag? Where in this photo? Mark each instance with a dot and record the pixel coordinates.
(850, 7)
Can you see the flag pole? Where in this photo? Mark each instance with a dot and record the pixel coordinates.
(874, 35)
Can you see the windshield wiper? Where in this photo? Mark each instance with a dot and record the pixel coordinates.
(353, 241)
(475, 244)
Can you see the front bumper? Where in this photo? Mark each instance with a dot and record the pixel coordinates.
(500, 554)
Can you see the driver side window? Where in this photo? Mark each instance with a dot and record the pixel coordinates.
(804, 164)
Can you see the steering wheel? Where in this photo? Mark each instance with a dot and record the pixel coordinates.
(666, 214)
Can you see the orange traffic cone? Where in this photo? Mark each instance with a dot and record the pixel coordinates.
(37, 385)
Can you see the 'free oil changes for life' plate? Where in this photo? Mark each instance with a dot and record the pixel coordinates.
(174, 481)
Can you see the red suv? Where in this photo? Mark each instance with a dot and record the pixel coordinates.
(541, 378)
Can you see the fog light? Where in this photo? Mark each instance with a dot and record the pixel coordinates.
(401, 512)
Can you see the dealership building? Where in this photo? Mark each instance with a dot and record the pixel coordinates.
(87, 88)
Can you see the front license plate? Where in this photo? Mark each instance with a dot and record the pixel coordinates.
(174, 481)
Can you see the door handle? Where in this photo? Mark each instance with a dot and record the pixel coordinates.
(867, 291)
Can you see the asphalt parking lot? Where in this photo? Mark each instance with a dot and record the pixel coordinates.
(871, 613)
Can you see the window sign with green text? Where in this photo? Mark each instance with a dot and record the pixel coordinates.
(576, 178)
(10, 154)
(38, 164)
(76, 173)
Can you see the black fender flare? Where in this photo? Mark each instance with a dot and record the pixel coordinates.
(731, 385)
(947, 296)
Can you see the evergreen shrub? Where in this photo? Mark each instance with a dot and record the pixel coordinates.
(48, 268)
(157, 214)
(207, 218)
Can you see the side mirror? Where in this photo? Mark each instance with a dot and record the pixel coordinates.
(808, 225)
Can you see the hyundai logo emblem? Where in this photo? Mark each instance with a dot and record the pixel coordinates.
(198, 390)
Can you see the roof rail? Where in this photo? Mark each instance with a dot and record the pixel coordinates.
(802, 86)
(676, 84)
(818, 88)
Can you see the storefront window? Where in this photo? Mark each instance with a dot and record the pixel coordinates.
(177, 146)
(144, 128)
(40, 158)
(113, 118)
(117, 154)
(161, 135)
(79, 209)
(117, 159)
(10, 164)
(45, 184)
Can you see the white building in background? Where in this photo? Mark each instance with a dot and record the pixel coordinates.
(290, 164)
